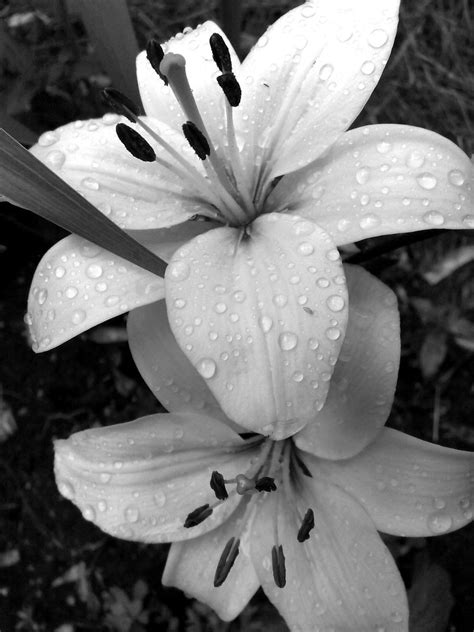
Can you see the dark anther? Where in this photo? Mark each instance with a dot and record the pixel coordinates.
(265, 484)
(218, 486)
(220, 53)
(306, 526)
(278, 566)
(120, 104)
(231, 88)
(155, 55)
(197, 140)
(302, 465)
(226, 561)
(197, 516)
(135, 143)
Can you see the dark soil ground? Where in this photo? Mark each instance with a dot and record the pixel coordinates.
(60, 573)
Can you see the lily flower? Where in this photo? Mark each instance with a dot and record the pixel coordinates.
(298, 516)
(259, 150)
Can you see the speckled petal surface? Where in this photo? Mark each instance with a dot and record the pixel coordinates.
(309, 76)
(159, 101)
(363, 383)
(134, 194)
(163, 365)
(78, 285)
(408, 486)
(383, 179)
(342, 578)
(140, 480)
(273, 308)
(191, 567)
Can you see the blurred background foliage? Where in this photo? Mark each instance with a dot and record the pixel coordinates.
(59, 573)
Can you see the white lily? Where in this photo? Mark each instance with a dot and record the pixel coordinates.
(252, 293)
(312, 543)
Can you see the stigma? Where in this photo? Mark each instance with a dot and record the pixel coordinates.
(269, 473)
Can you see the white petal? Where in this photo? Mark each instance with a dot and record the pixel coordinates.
(408, 486)
(309, 76)
(363, 384)
(134, 194)
(342, 578)
(159, 101)
(272, 312)
(383, 179)
(140, 480)
(78, 285)
(191, 566)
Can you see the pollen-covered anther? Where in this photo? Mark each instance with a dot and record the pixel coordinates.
(197, 516)
(278, 566)
(306, 526)
(220, 53)
(217, 484)
(135, 143)
(155, 55)
(120, 104)
(226, 561)
(265, 484)
(196, 139)
(231, 88)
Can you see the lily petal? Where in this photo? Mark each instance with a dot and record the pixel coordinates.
(159, 101)
(164, 367)
(309, 76)
(269, 310)
(77, 285)
(363, 384)
(140, 480)
(409, 487)
(191, 566)
(383, 179)
(134, 194)
(342, 578)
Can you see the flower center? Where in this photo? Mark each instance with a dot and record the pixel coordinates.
(269, 472)
(225, 184)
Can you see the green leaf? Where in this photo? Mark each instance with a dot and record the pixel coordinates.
(27, 182)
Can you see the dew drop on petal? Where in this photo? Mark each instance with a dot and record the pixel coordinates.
(325, 72)
(426, 181)
(132, 514)
(91, 184)
(335, 303)
(362, 175)
(59, 272)
(280, 300)
(206, 367)
(179, 303)
(434, 218)
(179, 270)
(78, 316)
(48, 138)
(456, 177)
(378, 38)
(440, 522)
(71, 292)
(88, 513)
(266, 323)
(415, 159)
(67, 489)
(287, 340)
(367, 68)
(333, 333)
(369, 221)
(160, 498)
(94, 271)
(306, 248)
(55, 159)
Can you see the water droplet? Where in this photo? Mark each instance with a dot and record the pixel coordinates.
(384, 147)
(367, 68)
(434, 218)
(335, 303)
(280, 300)
(132, 514)
(333, 254)
(239, 296)
(369, 221)
(111, 301)
(160, 498)
(94, 271)
(305, 248)
(71, 292)
(378, 38)
(303, 228)
(179, 270)
(468, 220)
(179, 303)
(91, 184)
(440, 522)
(206, 367)
(67, 489)
(426, 181)
(55, 159)
(415, 159)
(102, 506)
(297, 376)
(325, 72)
(48, 138)
(220, 308)
(42, 296)
(362, 175)
(78, 316)
(333, 333)
(287, 340)
(266, 323)
(456, 177)
(59, 272)
(396, 617)
(88, 512)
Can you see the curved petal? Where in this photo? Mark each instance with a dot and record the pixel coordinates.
(309, 76)
(408, 486)
(383, 179)
(78, 285)
(272, 308)
(134, 194)
(191, 566)
(159, 101)
(140, 480)
(363, 384)
(342, 578)
(164, 367)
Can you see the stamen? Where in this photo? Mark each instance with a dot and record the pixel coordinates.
(196, 139)
(231, 88)
(218, 486)
(197, 516)
(155, 55)
(135, 143)
(306, 526)
(301, 464)
(120, 104)
(245, 485)
(265, 484)
(220, 53)
(278, 566)
(226, 561)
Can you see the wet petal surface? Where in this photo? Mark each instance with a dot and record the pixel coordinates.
(383, 179)
(363, 384)
(272, 307)
(409, 487)
(140, 480)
